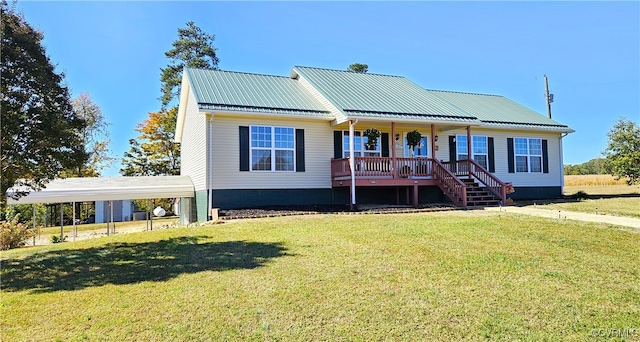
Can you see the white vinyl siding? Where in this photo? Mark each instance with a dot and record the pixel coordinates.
(552, 178)
(226, 155)
(193, 148)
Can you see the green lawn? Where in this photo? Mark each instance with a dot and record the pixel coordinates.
(620, 206)
(446, 276)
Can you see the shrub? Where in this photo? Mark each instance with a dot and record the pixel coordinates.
(13, 234)
(57, 239)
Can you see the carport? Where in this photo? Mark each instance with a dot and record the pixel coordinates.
(72, 190)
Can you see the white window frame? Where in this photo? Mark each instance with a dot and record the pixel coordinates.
(473, 146)
(272, 148)
(485, 153)
(360, 150)
(529, 155)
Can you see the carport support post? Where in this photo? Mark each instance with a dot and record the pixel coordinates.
(34, 223)
(61, 221)
(75, 228)
(153, 203)
(107, 220)
(113, 225)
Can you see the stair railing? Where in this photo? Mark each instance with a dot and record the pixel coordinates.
(451, 185)
(491, 182)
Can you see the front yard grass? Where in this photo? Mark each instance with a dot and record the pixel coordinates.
(443, 276)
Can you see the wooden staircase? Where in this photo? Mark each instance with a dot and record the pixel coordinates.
(478, 196)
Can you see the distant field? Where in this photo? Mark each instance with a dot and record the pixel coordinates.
(597, 185)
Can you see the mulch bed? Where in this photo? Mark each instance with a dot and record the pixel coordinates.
(276, 211)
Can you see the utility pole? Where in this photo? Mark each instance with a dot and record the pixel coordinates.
(548, 96)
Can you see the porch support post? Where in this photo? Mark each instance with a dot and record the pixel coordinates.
(469, 150)
(433, 141)
(393, 148)
(352, 203)
(415, 195)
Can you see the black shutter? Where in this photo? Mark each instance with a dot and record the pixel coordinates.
(491, 156)
(299, 150)
(244, 148)
(385, 144)
(452, 148)
(510, 155)
(545, 157)
(337, 144)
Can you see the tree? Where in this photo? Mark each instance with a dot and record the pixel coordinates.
(623, 150)
(40, 133)
(357, 67)
(95, 137)
(156, 153)
(194, 48)
(596, 166)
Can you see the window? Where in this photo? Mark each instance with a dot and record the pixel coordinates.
(479, 149)
(420, 150)
(358, 145)
(528, 154)
(272, 148)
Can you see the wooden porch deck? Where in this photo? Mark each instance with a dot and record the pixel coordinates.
(415, 172)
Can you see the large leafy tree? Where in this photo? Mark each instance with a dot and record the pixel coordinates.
(194, 48)
(40, 133)
(154, 152)
(95, 137)
(358, 67)
(623, 150)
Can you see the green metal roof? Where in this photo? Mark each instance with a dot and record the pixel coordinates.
(228, 90)
(495, 109)
(357, 95)
(378, 95)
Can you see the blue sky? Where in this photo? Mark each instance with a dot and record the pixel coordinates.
(589, 50)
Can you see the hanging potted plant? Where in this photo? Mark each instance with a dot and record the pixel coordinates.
(372, 135)
(413, 139)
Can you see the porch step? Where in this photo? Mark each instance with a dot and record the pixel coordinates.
(477, 196)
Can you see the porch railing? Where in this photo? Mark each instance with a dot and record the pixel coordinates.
(469, 167)
(451, 185)
(383, 167)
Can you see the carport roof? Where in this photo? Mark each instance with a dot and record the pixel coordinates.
(107, 189)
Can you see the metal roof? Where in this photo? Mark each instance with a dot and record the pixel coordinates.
(354, 92)
(251, 92)
(496, 109)
(107, 189)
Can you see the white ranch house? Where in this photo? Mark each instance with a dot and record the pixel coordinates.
(251, 140)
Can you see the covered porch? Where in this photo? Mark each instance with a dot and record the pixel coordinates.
(462, 181)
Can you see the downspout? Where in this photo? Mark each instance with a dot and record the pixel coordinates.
(352, 204)
(210, 167)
